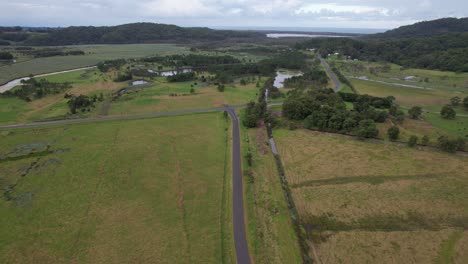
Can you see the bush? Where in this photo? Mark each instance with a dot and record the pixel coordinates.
(450, 145)
(448, 112)
(425, 140)
(455, 101)
(5, 55)
(413, 140)
(393, 133)
(367, 129)
(415, 112)
(221, 87)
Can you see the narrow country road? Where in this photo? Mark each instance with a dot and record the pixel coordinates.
(330, 73)
(240, 238)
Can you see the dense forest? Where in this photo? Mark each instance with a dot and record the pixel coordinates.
(444, 52)
(123, 34)
(427, 28)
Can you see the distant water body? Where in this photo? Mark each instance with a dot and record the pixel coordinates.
(311, 29)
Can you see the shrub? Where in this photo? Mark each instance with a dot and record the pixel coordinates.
(367, 129)
(415, 112)
(448, 112)
(393, 133)
(413, 140)
(425, 140)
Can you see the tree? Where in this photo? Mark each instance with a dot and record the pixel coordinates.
(192, 91)
(425, 140)
(455, 101)
(393, 133)
(465, 102)
(367, 129)
(413, 140)
(221, 87)
(415, 112)
(399, 116)
(448, 112)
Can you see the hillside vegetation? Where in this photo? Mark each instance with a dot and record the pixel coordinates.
(439, 44)
(122, 34)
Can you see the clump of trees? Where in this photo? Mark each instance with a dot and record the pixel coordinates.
(35, 89)
(316, 78)
(325, 110)
(105, 66)
(122, 77)
(4, 55)
(82, 102)
(181, 77)
(253, 114)
(192, 60)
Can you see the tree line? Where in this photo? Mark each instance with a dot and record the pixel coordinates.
(33, 89)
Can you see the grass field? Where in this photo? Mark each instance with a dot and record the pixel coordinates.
(94, 54)
(141, 191)
(271, 235)
(443, 80)
(365, 202)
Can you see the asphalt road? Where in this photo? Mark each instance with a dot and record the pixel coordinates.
(240, 238)
(331, 74)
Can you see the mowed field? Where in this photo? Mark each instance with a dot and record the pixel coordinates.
(94, 54)
(141, 191)
(271, 234)
(366, 202)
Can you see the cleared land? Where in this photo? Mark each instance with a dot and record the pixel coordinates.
(364, 202)
(93, 55)
(271, 235)
(117, 192)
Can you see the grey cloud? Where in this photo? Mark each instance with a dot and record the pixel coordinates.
(307, 13)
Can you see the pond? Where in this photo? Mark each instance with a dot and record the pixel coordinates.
(282, 75)
(139, 82)
(170, 73)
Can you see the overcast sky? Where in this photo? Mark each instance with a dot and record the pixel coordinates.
(242, 13)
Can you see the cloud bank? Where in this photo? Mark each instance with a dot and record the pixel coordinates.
(241, 13)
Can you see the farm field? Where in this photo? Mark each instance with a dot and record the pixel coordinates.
(94, 54)
(126, 191)
(271, 234)
(443, 80)
(383, 203)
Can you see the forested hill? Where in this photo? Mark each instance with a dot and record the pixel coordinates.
(443, 47)
(123, 34)
(427, 28)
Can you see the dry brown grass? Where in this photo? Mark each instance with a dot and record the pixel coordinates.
(382, 247)
(359, 189)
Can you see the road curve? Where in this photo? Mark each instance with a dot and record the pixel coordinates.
(330, 73)
(238, 219)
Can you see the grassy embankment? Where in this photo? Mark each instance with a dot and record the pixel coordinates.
(365, 202)
(131, 191)
(271, 235)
